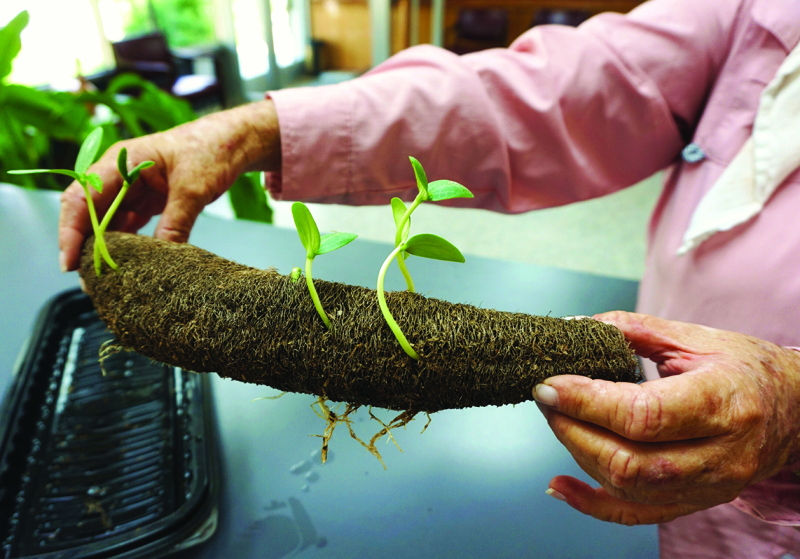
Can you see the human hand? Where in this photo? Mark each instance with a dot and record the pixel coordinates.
(724, 415)
(195, 163)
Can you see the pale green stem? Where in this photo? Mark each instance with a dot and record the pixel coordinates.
(112, 210)
(401, 263)
(398, 238)
(99, 243)
(314, 297)
(385, 308)
(102, 229)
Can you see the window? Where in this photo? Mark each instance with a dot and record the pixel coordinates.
(184, 22)
(67, 37)
(61, 37)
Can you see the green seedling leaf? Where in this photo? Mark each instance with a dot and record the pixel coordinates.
(88, 151)
(433, 246)
(332, 241)
(94, 181)
(67, 172)
(398, 210)
(422, 179)
(133, 175)
(306, 228)
(122, 164)
(447, 190)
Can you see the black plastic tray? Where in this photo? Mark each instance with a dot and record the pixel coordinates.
(121, 465)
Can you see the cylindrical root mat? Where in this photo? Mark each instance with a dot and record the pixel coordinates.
(184, 306)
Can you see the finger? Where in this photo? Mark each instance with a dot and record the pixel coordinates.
(653, 473)
(602, 506)
(668, 409)
(134, 222)
(180, 213)
(73, 226)
(676, 347)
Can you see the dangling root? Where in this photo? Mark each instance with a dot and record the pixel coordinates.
(426, 425)
(332, 420)
(274, 398)
(107, 349)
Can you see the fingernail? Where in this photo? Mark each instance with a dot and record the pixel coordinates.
(576, 317)
(546, 395)
(83, 285)
(62, 261)
(556, 495)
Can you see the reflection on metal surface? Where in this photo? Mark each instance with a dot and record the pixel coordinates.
(280, 534)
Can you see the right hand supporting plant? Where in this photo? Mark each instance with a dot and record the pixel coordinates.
(195, 164)
(723, 416)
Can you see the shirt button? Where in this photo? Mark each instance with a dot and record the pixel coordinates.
(693, 153)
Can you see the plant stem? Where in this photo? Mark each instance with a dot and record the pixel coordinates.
(314, 297)
(398, 333)
(398, 239)
(112, 210)
(99, 242)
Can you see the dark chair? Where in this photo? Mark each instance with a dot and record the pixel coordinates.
(150, 57)
(572, 18)
(478, 29)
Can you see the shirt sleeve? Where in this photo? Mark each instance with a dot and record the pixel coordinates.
(564, 114)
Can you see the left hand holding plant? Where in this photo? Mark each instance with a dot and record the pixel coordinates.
(724, 415)
(86, 156)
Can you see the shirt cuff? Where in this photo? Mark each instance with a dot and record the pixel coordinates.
(775, 500)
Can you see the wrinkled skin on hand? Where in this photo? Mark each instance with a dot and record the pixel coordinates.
(195, 163)
(724, 415)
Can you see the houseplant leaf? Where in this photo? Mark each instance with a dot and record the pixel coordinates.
(59, 113)
(249, 199)
(10, 43)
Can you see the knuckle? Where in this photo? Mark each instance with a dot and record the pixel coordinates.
(623, 469)
(741, 472)
(628, 518)
(643, 418)
(623, 514)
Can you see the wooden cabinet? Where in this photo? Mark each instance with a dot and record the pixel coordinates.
(343, 25)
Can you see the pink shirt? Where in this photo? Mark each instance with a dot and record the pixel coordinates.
(569, 114)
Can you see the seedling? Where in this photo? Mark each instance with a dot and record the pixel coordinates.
(86, 156)
(424, 245)
(315, 245)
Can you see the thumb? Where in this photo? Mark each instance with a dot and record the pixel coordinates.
(660, 340)
(179, 215)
